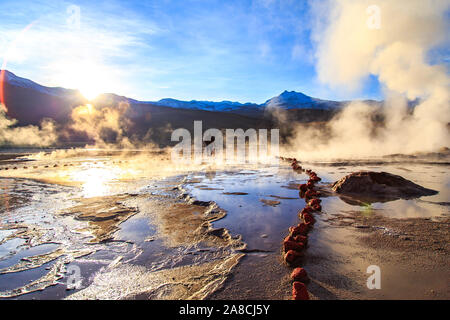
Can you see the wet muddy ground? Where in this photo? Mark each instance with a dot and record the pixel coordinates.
(113, 230)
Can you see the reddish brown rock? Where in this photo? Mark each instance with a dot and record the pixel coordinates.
(303, 187)
(293, 245)
(288, 238)
(379, 186)
(308, 218)
(299, 291)
(299, 274)
(301, 229)
(311, 193)
(291, 257)
(314, 202)
(306, 209)
(297, 238)
(300, 238)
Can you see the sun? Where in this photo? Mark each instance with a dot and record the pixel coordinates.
(90, 92)
(90, 78)
(91, 83)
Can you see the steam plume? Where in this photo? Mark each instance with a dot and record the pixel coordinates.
(349, 49)
(42, 136)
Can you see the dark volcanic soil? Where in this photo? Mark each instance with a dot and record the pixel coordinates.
(379, 186)
(220, 237)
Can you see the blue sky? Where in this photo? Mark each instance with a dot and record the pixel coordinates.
(205, 50)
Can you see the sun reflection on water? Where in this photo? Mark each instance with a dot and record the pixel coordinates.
(98, 179)
(95, 181)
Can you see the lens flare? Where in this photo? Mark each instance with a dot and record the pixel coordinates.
(5, 62)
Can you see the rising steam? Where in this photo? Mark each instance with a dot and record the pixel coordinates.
(396, 51)
(11, 135)
(105, 126)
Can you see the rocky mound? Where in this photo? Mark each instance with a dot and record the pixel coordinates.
(379, 186)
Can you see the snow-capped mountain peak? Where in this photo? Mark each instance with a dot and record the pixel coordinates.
(12, 79)
(286, 100)
(204, 105)
(290, 99)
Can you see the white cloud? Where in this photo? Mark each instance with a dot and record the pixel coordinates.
(53, 53)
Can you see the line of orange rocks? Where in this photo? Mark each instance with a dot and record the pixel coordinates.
(295, 243)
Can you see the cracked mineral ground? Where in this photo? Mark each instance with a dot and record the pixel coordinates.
(130, 225)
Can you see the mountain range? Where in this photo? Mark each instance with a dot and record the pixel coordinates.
(286, 100)
(29, 103)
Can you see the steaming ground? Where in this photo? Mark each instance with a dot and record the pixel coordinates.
(395, 47)
(139, 227)
(126, 222)
(65, 209)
